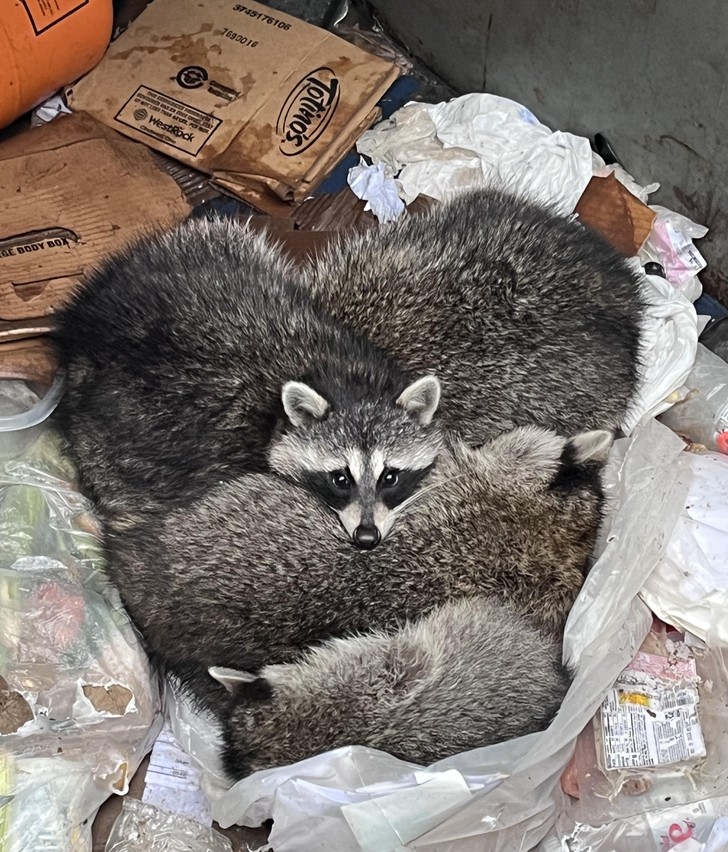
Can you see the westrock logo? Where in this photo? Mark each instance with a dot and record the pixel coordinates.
(307, 111)
(173, 129)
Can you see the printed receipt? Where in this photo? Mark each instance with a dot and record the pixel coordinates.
(650, 716)
(172, 782)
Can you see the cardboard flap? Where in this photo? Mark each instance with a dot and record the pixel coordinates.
(74, 192)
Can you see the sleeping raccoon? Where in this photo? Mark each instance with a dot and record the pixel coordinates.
(471, 673)
(195, 356)
(257, 570)
(525, 316)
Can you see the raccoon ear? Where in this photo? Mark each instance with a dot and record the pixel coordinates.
(592, 446)
(230, 678)
(302, 404)
(421, 398)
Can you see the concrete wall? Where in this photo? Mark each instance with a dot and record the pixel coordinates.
(651, 75)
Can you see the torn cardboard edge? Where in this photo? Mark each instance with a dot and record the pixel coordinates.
(75, 192)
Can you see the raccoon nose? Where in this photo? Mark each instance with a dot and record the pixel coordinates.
(366, 537)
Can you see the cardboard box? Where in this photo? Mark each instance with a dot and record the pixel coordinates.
(71, 192)
(265, 103)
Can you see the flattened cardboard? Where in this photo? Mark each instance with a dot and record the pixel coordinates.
(72, 192)
(264, 102)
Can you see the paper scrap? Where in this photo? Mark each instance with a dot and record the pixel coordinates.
(371, 184)
(388, 822)
(479, 140)
(172, 781)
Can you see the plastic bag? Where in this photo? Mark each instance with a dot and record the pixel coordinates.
(701, 415)
(689, 587)
(479, 140)
(81, 708)
(361, 799)
(636, 757)
(694, 827)
(668, 348)
(141, 827)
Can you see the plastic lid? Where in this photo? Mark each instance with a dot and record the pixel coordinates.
(41, 411)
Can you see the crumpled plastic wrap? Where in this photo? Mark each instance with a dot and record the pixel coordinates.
(79, 708)
(507, 795)
(701, 411)
(694, 827)
(477, 140)
(670, 243)
(141, 827)
(689, 587)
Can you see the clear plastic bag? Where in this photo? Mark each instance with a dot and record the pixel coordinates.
(702, 413)
(141, 827)
(80, 707)
(607, 794)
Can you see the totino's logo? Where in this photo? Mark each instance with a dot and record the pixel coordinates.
(307, 111)
(172, 129)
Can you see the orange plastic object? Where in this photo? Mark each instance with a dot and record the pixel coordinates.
(47, 44)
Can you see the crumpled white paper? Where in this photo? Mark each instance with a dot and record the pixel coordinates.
(689, 587)
(356, 798)
(479, 140)
(371, 184)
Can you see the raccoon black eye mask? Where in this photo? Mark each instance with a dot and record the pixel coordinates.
(196, 356)
(260, 569)
(364, 481)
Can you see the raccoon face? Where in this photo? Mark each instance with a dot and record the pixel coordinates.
(364, 459)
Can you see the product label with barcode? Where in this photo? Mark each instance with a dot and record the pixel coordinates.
(652, 720)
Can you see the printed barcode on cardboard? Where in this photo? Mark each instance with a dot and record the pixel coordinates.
(174, 122)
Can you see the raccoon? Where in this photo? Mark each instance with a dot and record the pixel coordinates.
(524, 315)
(195, 355)
(471, 673)
(258, 570)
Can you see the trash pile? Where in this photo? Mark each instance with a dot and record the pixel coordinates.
(192, 101)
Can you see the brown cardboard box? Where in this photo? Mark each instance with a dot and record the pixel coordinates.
(72, 192)
(264, 102)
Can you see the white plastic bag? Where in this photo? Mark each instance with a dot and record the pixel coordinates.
(668, 346)
(689, 587)
(479, 140)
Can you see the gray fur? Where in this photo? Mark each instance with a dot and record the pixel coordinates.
(525, 316)
(177, 352)
(258, 570)
(472, 673)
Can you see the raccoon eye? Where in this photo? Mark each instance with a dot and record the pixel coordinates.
(390, 478)
(341, 480)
